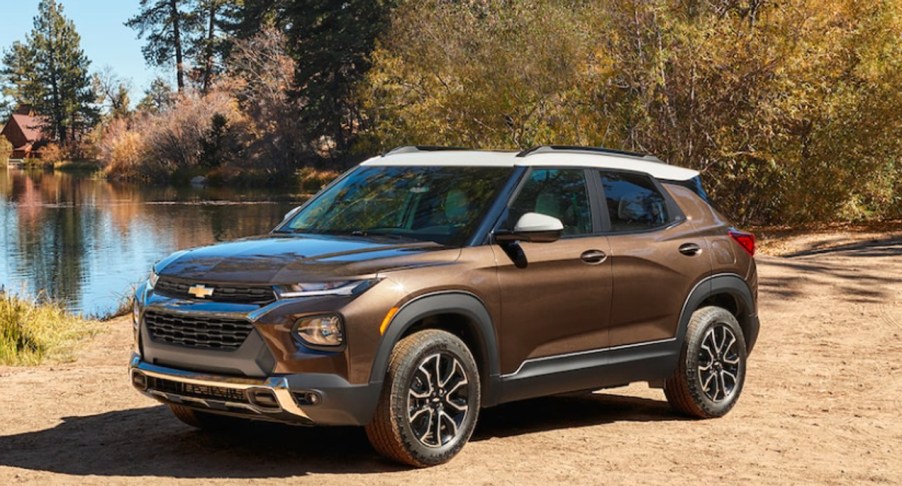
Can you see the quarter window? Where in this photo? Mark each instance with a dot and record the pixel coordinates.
(560, 193)
(634, 202)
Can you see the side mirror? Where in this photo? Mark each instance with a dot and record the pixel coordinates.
(291, 213)
(533, 227)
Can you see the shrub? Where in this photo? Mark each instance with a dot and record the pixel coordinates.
(183, 139)
(312, 180)
(121, 150)
(31, 331)
(51, 153)
(6, 149)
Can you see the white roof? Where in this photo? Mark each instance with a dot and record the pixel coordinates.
(562, 158)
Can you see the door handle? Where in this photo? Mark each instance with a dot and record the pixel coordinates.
(593, 257)
(690, 249)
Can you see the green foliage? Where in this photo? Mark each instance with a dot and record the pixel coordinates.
(157, 98)
(215, 145)
(164, 23)
(19, 76)
(31, 332)
(180, 31)
(485, 74)
(49, 72)
(331, 44)
(210, 43)
(790, 109)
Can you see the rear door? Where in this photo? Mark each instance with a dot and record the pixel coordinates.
(556, 299)
(656, 257)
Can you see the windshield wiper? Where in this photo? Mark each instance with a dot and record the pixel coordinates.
(382, 234)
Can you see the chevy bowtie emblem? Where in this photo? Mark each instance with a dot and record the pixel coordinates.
(200, 291)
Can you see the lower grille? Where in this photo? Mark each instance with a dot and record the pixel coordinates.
(197, 391)
(197, 332)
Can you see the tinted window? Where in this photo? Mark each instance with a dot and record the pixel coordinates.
(441, 204)
(634, 202)
(560, 193)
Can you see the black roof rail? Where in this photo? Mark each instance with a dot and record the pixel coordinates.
(420, 148)
(543, 149)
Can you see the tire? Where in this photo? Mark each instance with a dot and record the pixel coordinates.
(414, 399)
(712, 367)
(202, 420)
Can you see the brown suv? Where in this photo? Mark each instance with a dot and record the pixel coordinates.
(426, 284)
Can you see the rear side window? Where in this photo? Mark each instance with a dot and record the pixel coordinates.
(633, 201)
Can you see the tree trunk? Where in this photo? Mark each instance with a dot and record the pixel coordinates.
(208, 54)
(177, 40)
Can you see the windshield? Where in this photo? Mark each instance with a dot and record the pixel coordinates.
(429, 203)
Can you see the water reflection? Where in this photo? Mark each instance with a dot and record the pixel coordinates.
(86, 241)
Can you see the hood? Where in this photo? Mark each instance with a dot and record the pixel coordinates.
(281, 259)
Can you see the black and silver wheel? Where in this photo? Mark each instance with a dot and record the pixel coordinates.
(711, 371)
(430, 400)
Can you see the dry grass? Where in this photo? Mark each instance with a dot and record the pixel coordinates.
(32, 332)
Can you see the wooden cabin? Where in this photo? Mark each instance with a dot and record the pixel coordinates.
(24, 132)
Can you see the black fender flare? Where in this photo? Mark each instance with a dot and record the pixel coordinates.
(732, 285)
(451, 302)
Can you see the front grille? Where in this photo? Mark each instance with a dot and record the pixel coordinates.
(197, 391)
(244, 294)
(197, 332)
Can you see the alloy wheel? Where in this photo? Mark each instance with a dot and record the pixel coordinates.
(719, 363)
(437, 399)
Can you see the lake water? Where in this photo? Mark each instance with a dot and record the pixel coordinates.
(86, 242)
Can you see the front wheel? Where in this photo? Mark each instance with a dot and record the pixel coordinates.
(711, 371)
(430, 400)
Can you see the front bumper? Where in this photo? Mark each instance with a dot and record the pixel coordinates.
(300, 399)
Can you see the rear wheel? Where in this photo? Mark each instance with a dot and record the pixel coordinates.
(711, 371)
(430, 400)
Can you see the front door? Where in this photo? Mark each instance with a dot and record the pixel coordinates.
(557, 299)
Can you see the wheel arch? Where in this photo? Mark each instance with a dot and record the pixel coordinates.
(731, 292)
(459, 312)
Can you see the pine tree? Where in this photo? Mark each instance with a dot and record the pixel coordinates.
(157, 98)
(332, 42)
(209, 46)
(50, 72)
(168, 28)
(18, 78)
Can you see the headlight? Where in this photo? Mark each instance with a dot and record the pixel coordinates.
(136, 311)
(152, 280)
(323, 330)
(343, 287)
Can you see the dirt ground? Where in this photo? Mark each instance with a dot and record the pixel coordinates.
(821, 405)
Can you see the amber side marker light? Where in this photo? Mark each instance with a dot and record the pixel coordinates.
(387, 320)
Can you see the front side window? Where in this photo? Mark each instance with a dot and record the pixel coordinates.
(426, 203)
(560, 193)
(634, 202)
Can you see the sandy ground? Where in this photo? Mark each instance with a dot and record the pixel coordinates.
(821, 405)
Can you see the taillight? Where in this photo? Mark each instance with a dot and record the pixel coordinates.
(745, 240)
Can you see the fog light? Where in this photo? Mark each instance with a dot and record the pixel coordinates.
(324, 330)
(139, 380)
(307, 398)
